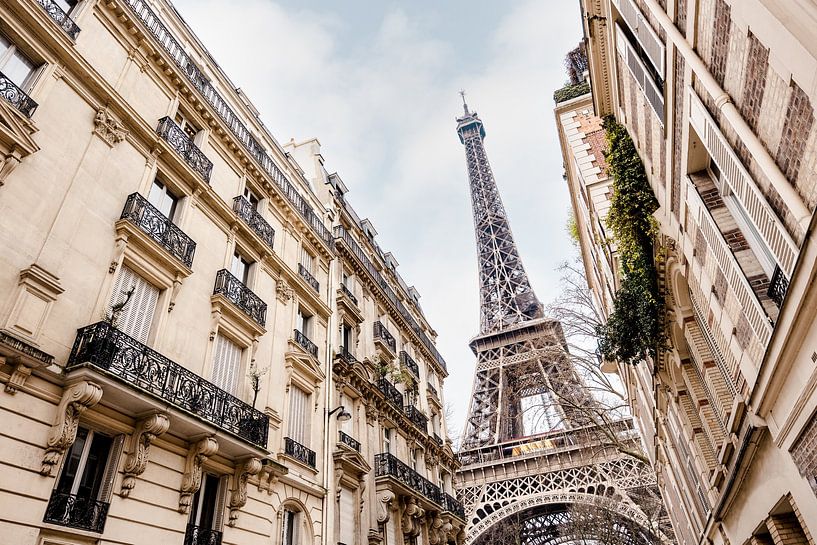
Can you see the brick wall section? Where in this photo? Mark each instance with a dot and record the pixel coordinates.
(796, 129)
(760, 285)
(720, 286)
(712, 199)
(804, 453)
(681, 16)
(786, 530)
(754, 81)
(736, 240)
(801, 521)
(721, 30)
(700, 247)
(762, 539)
(677, 133)
(743, 331)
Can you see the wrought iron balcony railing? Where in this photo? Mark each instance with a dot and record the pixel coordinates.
(433, 390)
(60, 17)
(452, 505)
(437, 439)
(254, 220)
(16, 97)
(345, 289)
(184, 146)
(75, 511)
(410, 364)
(416, 416)
(311, 280)
(387, 465)
(299, 452)
(305, 343)
(196, 535)
(392, 394)
(241, 296)
(346, 356)
(381, 333)
(105, 347)
(347, 440)
(778, 286)
(155, 225)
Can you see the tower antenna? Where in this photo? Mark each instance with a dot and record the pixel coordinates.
(464, 104)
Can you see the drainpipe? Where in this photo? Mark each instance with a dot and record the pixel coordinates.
(327, 442)
(724, 103)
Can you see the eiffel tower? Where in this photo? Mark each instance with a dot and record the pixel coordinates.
(511, 480)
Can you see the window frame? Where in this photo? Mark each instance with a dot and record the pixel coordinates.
(12, 50)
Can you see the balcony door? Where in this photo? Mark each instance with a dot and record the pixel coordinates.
(163, 199)
(206, 509)
(226, 365)
(346, 509)
(136, 316)
(298, 426)
(14, 65)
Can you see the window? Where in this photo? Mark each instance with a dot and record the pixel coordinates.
(307, 260)
(414, 459)
(240, 268)
(162, 198)
(298, 416)
(346, 510)
(68, 6)
(387, 440)
(226, 365)
(346, 338)
(289, 531)
(136, 316)
(207, 507)
(303, 322)
(14, 65)
(186, 125)
(251, 198)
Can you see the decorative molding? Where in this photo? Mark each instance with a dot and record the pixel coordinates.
(37, 289)
(8, 164)
(146, 431)
(283, 291)
(18, 376)
(75, 400)
(109, 129)
(384, 505)
(375, 537)
(191, 480)
(238, 499)
(436, 533)
(412, 520)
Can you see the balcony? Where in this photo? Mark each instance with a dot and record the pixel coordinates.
(311, 280)
(241, 296)
(304, 342)
(344, 289)
(108, 349)
(196, 535)
(417, 417)
(254, 221)
(154, 224)
(437, 439)
(347, 440)
(387, 465)
(452, 505)
(299, 452)
(409, 364)
(60, 17)
(386, 339)
(76, 512)
(433, 391)
(16, 97)
(184, 146)
(778, 286)
(392, 394)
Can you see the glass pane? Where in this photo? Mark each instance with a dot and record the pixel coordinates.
(17, 69)
(209, 500)
(251, 198)
(94, 471)
(5, 43)
(69, 470)
(240, 268)
(66, 5)
(161, 197)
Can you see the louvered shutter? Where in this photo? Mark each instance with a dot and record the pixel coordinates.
(298, 412)
(221, 502)
(111, 468)
(306, 260)
(347, 517)
(226, 365)
(137, 315)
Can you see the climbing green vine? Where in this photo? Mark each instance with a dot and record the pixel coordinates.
(635, 328)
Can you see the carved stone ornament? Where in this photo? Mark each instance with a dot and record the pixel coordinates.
(75, 400)
(375, 537)
(267, 479)
(412, 518)
(109, 129)
(283, 291)
(18, 376)
(384, 500)
(191, 480)
(238, 498)
(146, 431)
(436, 534)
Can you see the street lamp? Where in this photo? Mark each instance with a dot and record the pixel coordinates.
(343, 415)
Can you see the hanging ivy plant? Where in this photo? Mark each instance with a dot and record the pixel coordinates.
(635, 328)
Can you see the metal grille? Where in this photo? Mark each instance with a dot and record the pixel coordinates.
(76, 512)
(159, 228)
(254, 220)
(299, 452)
(60, 17)
(16, 97)
(181, 144)
(241, 296)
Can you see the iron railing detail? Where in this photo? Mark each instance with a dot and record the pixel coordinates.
(387, 465)
(184, 146)
(155, 27)
(305, 343)
(241, 296)
(347, 356)
(196, 535)
(342, 234)
(16, 97)
(254, 220)
(299, 452)
(778, 286)
(452, 505)
(105, 347)
(154, 224)
(75, 511)
(345, 289)
(392, 394)
(416, 416)
(437, 439)
(60, 17)
(381, 333)
(409, 364)
(311, 280)
(347, 440)
(433, 390)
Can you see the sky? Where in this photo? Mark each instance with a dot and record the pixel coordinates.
(377, 81)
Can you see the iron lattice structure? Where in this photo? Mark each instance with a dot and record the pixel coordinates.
(535, 480)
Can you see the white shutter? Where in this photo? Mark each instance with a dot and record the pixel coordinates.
(137, 315)
(306, 260)
(298, 412)
(347, 511)
(226, 365)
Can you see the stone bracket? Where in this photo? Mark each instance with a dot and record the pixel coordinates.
(238, 498)
(75, 400)
(191, 480)
(146, 431)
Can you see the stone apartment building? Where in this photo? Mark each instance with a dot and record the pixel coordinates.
(718, 97)
(200, 341)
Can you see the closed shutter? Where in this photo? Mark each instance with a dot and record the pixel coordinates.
(226, 365)
(306, 260)
(137, 315)
(111, 468)
(298, 412)
(347, 511)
